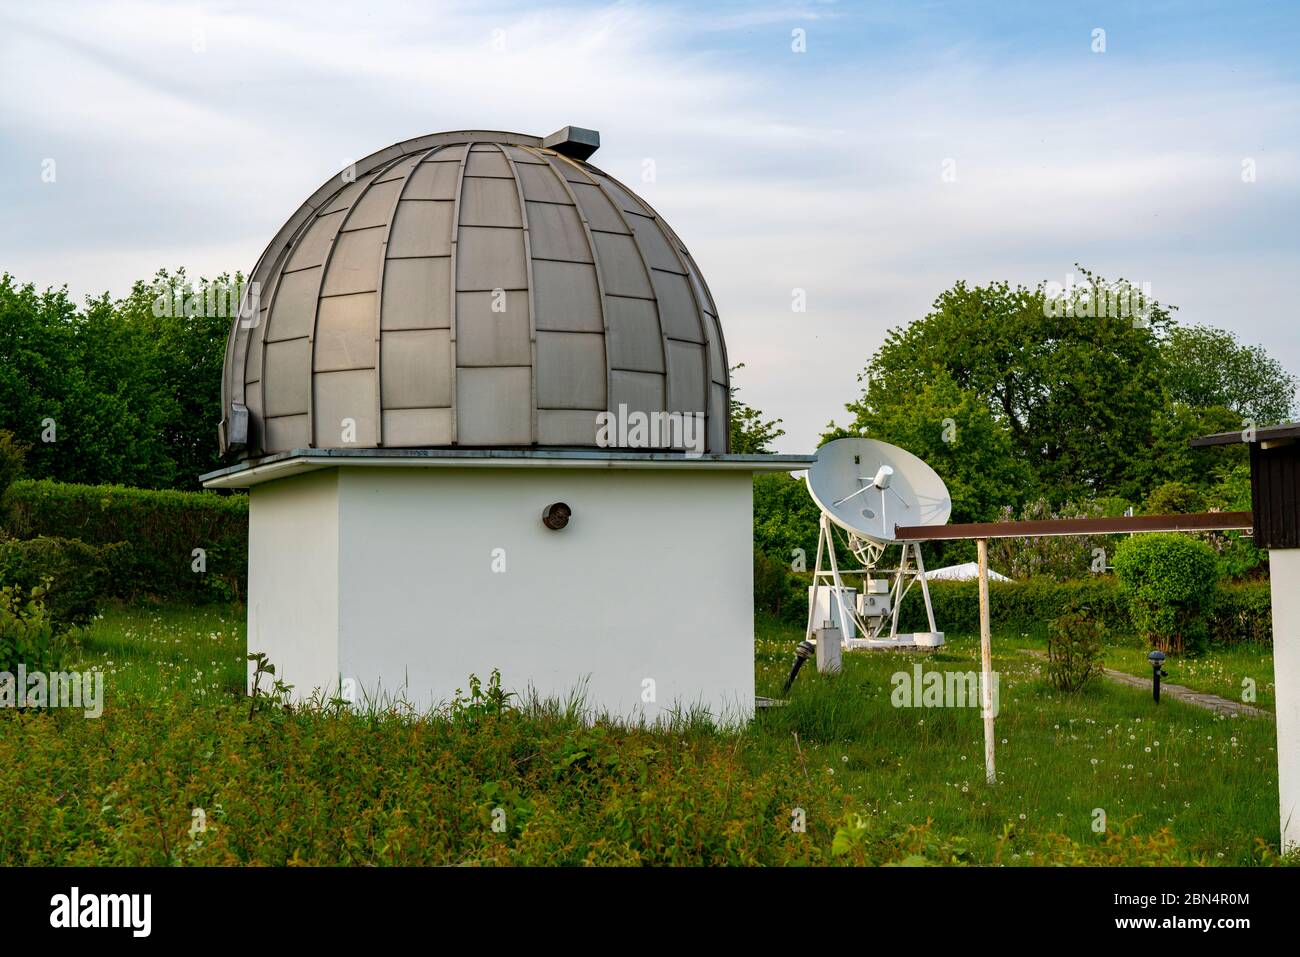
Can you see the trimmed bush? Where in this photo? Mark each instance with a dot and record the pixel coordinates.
(75, 577)
(163, 527)
(1170, 582)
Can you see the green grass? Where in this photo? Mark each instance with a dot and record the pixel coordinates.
(1211, 780)
(149, 652)
(1221, 671)
(875, 783)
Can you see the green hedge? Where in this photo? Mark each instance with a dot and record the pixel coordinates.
(1239, 612)
(162, 527)
(1242, 613)
(1027, 605)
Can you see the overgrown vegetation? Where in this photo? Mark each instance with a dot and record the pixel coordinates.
(75, 578)
(28, 636)
(1074, 650)
(839, 776)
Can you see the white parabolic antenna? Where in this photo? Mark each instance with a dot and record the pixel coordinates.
(867, 487)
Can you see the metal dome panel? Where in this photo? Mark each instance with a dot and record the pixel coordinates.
(471, 288)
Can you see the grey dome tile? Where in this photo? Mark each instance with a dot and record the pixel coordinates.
(570, 370)
(487, 337)
(489, 202)
(555, 232)
(566, 297)
(417, 369)
(421, 229)
(433, 180)
(417, 294)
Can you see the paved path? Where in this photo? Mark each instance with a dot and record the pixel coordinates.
(1211, 702)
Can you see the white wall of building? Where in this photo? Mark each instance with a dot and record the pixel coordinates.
(652, 581)
(1284, 572)
(293, 574)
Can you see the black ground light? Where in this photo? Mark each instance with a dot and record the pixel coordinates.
(1157, 659)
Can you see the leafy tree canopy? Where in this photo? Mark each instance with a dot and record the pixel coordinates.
(1083, 393)
(121, 391)
(1207, 367)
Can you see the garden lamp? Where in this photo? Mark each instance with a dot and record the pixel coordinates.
(1157, 659)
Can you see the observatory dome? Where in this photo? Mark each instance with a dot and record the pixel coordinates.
(475, 289)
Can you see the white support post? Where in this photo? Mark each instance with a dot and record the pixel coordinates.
(925, 587)
(835, 570)
(986, 661)
(817, 572)
(898, 593)
(1284, 572)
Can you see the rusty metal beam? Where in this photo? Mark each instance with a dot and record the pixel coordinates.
(1193, 522)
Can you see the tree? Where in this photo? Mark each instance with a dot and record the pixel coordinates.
(116, 392)
(785, 519)
(1073, 382)
(954, 431)
(1205, 367)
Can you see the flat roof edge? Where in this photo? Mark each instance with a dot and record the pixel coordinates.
(300, 461)
(1266, 433)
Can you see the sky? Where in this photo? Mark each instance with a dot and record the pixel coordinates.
(860, 157)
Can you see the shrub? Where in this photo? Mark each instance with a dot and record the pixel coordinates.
(775, 590)
(27, 633)
(75, 577)
(1060, 557)
(1169, 581)
(163, 527)
(1074, 650)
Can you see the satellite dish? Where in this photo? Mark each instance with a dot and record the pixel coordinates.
(867, 487)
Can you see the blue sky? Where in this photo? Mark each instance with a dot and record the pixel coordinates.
(185, 134)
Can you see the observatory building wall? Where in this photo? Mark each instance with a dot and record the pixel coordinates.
(411, 579)
(293, 578)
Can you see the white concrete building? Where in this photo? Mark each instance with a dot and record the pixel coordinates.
(443, 343)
